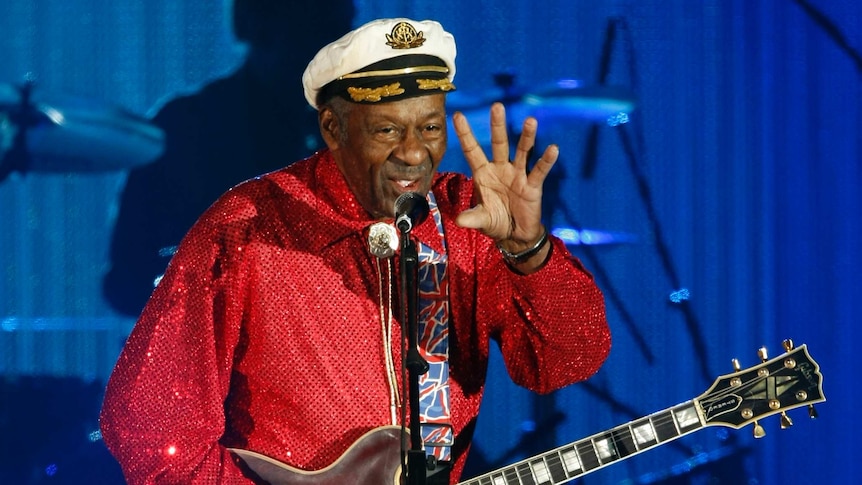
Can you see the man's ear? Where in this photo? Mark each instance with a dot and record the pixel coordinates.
(330, 128)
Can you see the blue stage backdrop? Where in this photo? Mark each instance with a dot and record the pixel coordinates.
(715, 196)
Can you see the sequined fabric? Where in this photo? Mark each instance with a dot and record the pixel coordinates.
(265, 332)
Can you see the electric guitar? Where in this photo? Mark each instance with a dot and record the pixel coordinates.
(734, 400)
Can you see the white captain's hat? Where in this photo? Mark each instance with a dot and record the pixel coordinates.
(384, 60)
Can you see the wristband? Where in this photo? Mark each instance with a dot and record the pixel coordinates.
(527, 253)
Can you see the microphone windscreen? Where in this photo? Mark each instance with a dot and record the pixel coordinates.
(412, 205)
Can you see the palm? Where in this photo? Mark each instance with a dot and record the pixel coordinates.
(509, 199)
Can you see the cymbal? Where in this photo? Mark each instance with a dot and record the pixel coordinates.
(74, 135)
(572, 99)
(591, 237)
(564, 100)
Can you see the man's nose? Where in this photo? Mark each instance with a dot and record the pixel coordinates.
(412, 149)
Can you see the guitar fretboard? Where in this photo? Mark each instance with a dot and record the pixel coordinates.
(589, 454)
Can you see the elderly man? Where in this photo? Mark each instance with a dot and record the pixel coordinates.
(277, 334)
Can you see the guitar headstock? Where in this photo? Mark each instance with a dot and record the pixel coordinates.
(774, 386)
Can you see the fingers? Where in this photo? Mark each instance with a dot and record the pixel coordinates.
(499, 134)
(475, 154)
(472, 150)
(540, 171)
(525, 143)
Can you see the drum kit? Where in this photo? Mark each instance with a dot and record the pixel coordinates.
(40, 134)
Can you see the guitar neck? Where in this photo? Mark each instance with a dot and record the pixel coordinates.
(584, 456)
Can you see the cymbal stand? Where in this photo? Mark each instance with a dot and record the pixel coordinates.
(19, 120)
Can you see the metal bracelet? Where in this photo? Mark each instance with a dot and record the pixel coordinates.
(527, 253)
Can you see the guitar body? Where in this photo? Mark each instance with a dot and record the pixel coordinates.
(374, 459)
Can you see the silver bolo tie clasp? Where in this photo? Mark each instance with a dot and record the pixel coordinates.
(383, 240)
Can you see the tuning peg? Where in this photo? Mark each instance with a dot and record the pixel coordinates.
(736, 366)
(786, 422)
(759, 432)
(812, 413)
(787, 344)
(763, 354)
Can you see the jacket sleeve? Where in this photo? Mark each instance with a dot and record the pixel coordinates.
(163, 413)
(551, 325)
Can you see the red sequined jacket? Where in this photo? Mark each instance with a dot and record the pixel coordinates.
(265, 332)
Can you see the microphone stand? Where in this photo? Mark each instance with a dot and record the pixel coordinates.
(416, 365)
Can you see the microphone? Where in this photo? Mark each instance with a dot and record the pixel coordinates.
(411, 209)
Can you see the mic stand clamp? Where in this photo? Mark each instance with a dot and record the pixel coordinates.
(413, 361)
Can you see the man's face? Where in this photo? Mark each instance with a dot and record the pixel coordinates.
(390, 148)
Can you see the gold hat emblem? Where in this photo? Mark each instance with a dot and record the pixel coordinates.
(404, 36)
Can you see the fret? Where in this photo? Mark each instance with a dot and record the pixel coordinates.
(624, 442)
(540, 471)
(665, 426)
(605, 449)
(511, 476)
(556, 466)
(572, 461)
(644, 434)
(686, 418)
(525, 474)
(588, 456)
(499, 479)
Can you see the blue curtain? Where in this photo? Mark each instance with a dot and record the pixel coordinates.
(731, 196)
